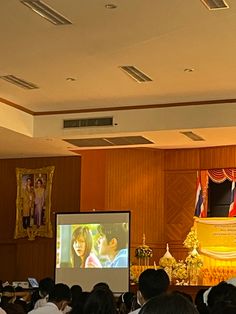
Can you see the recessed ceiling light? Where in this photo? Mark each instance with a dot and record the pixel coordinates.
(110, 6)
(189, 70)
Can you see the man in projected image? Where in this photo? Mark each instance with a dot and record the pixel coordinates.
(113, 244)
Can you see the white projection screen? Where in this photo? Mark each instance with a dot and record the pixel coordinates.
(93, 247)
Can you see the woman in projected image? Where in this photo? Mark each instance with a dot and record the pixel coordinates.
(112, 244)
(81, 248)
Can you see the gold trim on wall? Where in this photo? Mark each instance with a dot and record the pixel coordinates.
(33, 202)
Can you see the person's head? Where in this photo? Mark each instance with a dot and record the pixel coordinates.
(46, 285)
(169, 303)
(101, 285)
(81, 245)
(39, 183)
(124, 303)
(152, 283)
(28, 181)
(199, 302)
(100, 301)
(112, 238)
(223, 292)
(7, 295)
(60, 295)
(76, 292)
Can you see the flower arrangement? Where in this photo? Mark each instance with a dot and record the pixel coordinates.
(143, 252)
(191, 240)
(194, 260)
(180, 272)
(167, 262)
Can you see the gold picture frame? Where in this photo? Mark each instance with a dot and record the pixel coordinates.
(33, 202)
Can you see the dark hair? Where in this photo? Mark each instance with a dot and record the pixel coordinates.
(5, 299)
(101, 285)
(153, 282)
(184, 294)
(125, 301)
(100, 301)
(199, 302)
(76, 292)
(46, 286)
(223, 292)
(118, 231)
(223, 308)
(86, 234)
(78, 307)
(168, 303)
(61, 292)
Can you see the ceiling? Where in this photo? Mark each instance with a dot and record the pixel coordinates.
(187, 50)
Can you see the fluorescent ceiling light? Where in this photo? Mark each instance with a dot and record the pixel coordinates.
(215, 4)
(192, 136)
(18, 82)
(46, 12)
(135, 73)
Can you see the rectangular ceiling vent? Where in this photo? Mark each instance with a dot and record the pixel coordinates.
(193, 136)
(215, 4)
(46, 12)
(18, 82)
(109, 141)
(84, 123)
(136, 74)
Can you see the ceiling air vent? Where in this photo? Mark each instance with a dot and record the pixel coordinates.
(46, 12)
(18, 82)
(215, 4)
(84, 123)
(192, 136)
(109, 141)
(136, 74)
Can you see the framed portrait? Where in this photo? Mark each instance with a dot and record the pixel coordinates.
(33, 202)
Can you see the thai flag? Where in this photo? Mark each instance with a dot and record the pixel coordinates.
(199, 207)
(232, 207)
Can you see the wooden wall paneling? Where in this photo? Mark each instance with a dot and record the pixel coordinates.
(180, 189)
(182, 159)
(7, 261)
(93, 167)
(65, 197)
(218, 157)
(135, 182)
(38, 258)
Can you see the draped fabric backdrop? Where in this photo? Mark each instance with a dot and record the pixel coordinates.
(217, 176)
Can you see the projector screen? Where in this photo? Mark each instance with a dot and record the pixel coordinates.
(91, 248)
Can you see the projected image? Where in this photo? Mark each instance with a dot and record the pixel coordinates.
(92, 245)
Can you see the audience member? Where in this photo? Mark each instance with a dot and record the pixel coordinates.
(101, 285)
(199, 302)
(223, 293)
(79, 307)
(46, 286)
(151, 283)
(76, 292)
(8, 301)
(100, 301)
(169, 303)
(124, 303)
(59, 298)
